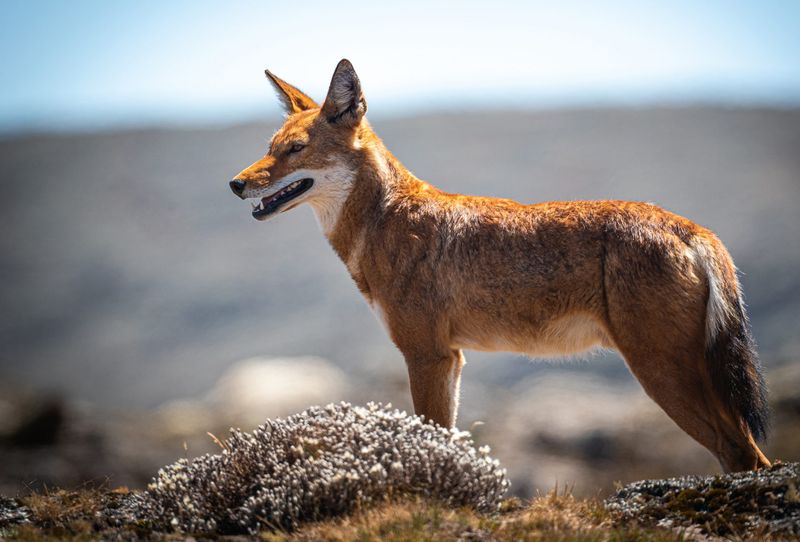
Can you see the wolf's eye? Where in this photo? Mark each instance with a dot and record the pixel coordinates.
(297, 147)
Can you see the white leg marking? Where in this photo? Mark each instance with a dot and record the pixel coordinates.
(454, 386)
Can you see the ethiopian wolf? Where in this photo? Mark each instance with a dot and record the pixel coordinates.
(446, 272)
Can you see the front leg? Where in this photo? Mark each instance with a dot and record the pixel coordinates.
(434, 384)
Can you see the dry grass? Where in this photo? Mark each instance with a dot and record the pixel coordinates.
(80, 514)
(556, 516)
(61, 515)
(60, 507)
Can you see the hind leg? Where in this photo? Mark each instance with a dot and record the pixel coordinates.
(679, 386)
(656, 315)
(667, 356)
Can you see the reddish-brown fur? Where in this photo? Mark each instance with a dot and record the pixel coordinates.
(447, 271)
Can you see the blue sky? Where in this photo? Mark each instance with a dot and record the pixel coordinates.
(85, 64)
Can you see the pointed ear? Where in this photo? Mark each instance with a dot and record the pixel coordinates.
(345, 103)
(293, 99)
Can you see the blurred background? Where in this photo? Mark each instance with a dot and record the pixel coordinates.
(143, 307)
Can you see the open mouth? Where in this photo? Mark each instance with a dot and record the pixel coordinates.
(270, 204)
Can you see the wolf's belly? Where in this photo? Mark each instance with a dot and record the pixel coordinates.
(568, 335)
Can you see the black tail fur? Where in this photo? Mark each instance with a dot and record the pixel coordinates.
(736, 371)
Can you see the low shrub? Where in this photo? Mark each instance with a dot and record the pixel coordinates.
(324, 462)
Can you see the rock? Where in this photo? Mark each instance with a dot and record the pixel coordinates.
(182, 418)
(731, 505)
(42, 427)
(259, 388)
(12, 512)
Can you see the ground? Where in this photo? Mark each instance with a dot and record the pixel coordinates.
(743, 506)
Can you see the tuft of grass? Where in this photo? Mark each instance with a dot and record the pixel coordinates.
(61, 509)
(555, 516)
(76, 515)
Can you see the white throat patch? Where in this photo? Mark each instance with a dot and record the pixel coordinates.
(331, 188)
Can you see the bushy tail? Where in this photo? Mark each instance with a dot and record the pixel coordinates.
(730, 349)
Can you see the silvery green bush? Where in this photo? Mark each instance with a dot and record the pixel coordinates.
(324, 462)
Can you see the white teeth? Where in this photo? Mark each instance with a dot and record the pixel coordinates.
(258, 205)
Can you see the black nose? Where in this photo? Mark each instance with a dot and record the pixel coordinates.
(238, 187)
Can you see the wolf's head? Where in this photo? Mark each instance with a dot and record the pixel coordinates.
(313, 156)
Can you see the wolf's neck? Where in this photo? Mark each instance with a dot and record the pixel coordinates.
(379, 180)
